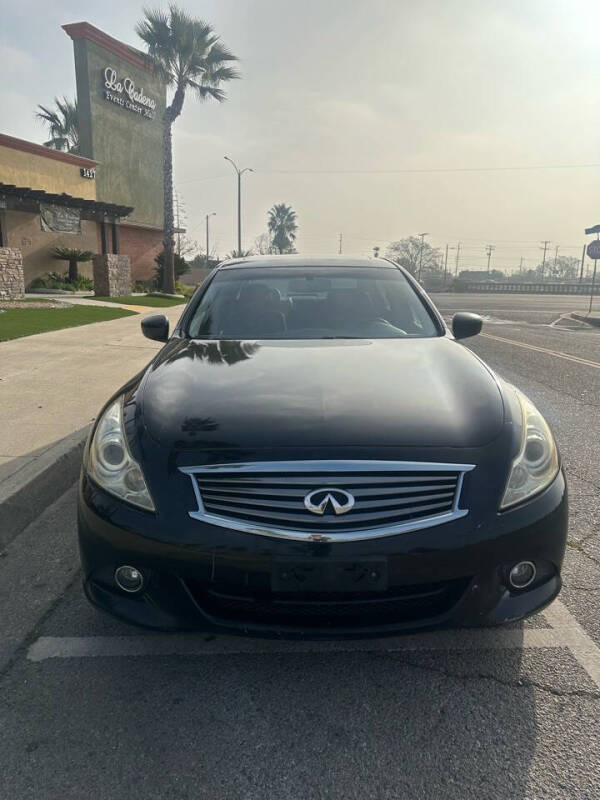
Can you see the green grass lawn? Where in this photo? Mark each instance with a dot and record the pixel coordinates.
(154, 300)
(27, 321)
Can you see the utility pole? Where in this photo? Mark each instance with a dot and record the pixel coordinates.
(340, 246)
(446, 265)
(422, 235)
(521, 266)
(457, 259)
(582, 263)
(208, 216)
(546, 242)
(240, 172)
(555, 259)
(489, 250)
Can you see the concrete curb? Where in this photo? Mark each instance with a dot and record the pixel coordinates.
(586, 318)
(30, 484)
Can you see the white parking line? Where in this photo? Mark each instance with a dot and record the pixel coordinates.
(565, 632)
(556, 353)
(583, 647)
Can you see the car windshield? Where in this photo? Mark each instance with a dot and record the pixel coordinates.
(311, 303)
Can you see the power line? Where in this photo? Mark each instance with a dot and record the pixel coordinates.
(407, 170)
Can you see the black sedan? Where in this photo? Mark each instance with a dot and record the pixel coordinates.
(313, 454)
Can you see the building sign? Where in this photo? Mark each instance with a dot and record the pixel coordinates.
(88, 172)
(123, 92)
(60, 219)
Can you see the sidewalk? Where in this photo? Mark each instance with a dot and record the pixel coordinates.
(53, 384)
(79, 300)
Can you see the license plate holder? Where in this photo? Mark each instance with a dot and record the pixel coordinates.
(325, 575)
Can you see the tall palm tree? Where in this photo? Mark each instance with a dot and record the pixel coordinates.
(187, 54)
(63, 124)
(282, 227)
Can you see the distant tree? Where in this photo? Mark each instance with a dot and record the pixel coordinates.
(564, 268)
(481, 275)
(240, 254)
(180, 264)
(74, 256)
(188, 55)
(283, 228)
(263, 246)
(407, 253)
(199, 261)
(63, 124)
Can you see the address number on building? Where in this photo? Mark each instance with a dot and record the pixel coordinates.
(88, 172)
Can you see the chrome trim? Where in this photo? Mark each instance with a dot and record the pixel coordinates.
(329, 498)
(529, 582)
(330, 466)
(327, 466)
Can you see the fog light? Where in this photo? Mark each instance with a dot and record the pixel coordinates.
(129, 579)
(522, 574)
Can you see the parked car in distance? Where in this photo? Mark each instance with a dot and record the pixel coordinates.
(314, 453)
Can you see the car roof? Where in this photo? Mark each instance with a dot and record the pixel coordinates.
(306, 261)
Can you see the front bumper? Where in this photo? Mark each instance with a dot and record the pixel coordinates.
(452, 575)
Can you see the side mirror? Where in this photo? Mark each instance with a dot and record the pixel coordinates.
(156, 327)
(465, 324)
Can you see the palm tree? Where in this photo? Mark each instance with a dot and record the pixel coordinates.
(63, 124)
(73, 255)
(187, 54)
(282, 227)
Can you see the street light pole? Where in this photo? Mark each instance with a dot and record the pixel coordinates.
(239, 172)
(208, 216)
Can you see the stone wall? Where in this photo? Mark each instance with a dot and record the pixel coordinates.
(112, 275)
(12, 279)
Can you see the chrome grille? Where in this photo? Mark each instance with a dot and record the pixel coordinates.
(268, 498)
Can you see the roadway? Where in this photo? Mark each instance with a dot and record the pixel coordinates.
(94, 707)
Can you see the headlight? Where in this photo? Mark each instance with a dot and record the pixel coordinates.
(110, 463)
(536, 465)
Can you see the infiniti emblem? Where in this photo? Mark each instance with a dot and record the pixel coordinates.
(318, 501)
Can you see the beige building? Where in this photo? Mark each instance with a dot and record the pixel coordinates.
(48, 198)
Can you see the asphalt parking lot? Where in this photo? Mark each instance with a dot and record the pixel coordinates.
(92, 707)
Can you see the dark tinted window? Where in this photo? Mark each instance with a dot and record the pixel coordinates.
(310, 303)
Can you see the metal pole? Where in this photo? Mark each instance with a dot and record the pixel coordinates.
(239, 214)
(239, 172)
(582, 263)
(340, 247)
(593, 282)
(207, 241)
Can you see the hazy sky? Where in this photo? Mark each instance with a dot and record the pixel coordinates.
(339, 96)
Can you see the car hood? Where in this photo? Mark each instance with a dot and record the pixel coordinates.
(328, 393)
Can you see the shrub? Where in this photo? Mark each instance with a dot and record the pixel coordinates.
(37, 283)
(186, 291)
(53, 280)
(181, 267)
